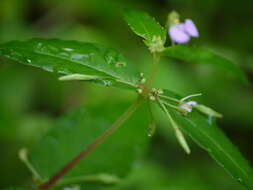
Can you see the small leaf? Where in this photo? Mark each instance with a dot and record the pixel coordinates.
(72, 57)
(207, 135)
(109, 162)
(200, 55)
(147, 27)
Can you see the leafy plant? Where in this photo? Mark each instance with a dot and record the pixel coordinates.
(79, 134)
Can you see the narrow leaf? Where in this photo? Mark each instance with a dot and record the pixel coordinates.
(207, 135)
(200, 55)
(72, 57)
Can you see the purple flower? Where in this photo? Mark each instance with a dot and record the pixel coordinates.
(178, 34)
(190, 28)
(182, 32)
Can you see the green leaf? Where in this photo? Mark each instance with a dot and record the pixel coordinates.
(103, 65)
(147, 27)
(204, 131)
(109, 162)
(200, 55)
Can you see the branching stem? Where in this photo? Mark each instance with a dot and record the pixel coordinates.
(54, 179)
(169, 98)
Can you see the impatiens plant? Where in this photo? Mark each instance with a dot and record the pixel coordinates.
(78, 149)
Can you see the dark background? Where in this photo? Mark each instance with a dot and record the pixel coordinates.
(30, 99)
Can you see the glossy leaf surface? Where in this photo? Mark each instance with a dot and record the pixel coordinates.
(106, 65)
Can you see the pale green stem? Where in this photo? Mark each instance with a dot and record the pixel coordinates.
(168, 104)
(169, 98)
(178, 132)
(156, 59)
(99, 140)
(152, 125)
(190, 96)
(24, 158)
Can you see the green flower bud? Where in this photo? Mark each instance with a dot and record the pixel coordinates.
(173, 18)
(208, 111)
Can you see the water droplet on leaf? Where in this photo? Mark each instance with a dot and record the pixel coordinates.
(48, 49)
(68, 49)
(64, 54)
(239, 179)
(81, 57)
(111, 57)
(151, 128)
(107, 82)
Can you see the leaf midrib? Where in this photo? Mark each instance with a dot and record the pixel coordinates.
(219, 147)
(77, 62)
(114, 77)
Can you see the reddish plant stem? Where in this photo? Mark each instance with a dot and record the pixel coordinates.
(54, 179)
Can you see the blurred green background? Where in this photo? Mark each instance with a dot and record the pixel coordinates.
(31, 99)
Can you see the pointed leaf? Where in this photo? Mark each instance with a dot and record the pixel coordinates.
(103, 65)
(204, 131)
(147, 27)
(200, 55)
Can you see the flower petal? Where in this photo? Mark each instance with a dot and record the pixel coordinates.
(192, 103)
(178, 34)
(190, 28)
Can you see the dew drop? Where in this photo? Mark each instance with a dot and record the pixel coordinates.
(81, 57)
(239, 179)
(151, 129)
(39, 45)
(64, 54)
(68, 49)
(111, 57)
(29, 60)
(107, 82)
(46, 48)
